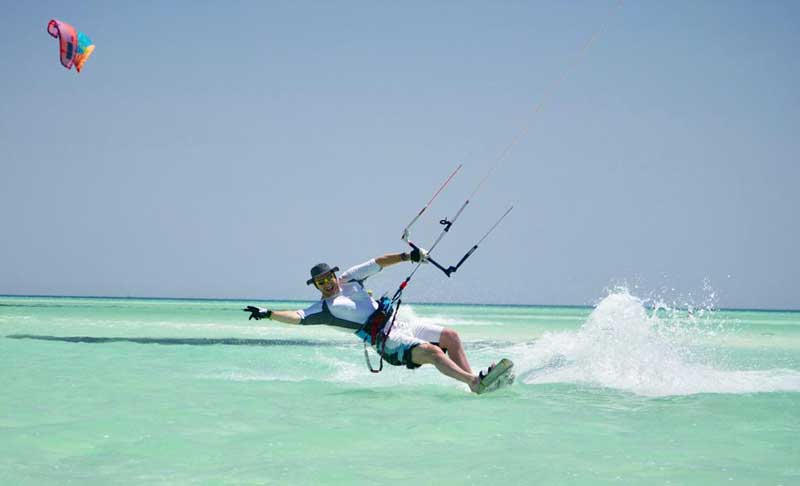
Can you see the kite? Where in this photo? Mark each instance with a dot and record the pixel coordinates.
(76, 47)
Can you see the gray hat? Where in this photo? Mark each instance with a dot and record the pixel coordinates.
(320, 269)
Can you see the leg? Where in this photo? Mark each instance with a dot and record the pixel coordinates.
(428, 353)
(451, 342)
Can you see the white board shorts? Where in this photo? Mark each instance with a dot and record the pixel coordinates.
(404, 337)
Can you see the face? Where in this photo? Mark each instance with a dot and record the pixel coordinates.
(328, 284)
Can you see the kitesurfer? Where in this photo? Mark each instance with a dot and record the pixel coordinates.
(346, 303)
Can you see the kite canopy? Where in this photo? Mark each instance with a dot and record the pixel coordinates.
(75, 47)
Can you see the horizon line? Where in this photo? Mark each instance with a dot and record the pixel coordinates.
(218, 299)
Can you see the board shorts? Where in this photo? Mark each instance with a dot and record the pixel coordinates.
(404, 337)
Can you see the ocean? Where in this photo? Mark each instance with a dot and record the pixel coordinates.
(149, 391)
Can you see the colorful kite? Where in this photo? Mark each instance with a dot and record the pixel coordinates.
(76, 47)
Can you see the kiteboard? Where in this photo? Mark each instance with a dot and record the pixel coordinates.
(500, 376)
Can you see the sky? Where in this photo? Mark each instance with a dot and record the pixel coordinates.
(220, 149)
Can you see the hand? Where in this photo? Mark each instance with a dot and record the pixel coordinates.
(257, 313)
(419, 255)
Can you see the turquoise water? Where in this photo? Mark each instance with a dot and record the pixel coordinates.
(126, 391)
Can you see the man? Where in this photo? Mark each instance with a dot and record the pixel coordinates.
(346, 303)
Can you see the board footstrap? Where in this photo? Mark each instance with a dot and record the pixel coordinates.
(501, 374)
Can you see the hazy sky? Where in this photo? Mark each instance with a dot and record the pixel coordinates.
(220, 149)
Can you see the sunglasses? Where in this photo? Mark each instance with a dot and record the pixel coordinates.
(324, 280)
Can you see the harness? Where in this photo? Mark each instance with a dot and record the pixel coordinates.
(376, 330)
(373, 332)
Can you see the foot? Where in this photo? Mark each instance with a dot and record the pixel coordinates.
(475, 384)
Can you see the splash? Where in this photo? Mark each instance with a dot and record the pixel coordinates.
(655, 353)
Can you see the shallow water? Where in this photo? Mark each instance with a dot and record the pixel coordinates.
(125, 391)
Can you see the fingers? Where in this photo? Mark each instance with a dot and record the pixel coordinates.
(253, 312)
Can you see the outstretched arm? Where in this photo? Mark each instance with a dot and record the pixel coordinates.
(287, 317)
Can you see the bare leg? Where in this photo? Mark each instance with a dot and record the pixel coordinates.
(429, 353)
(451, 342)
